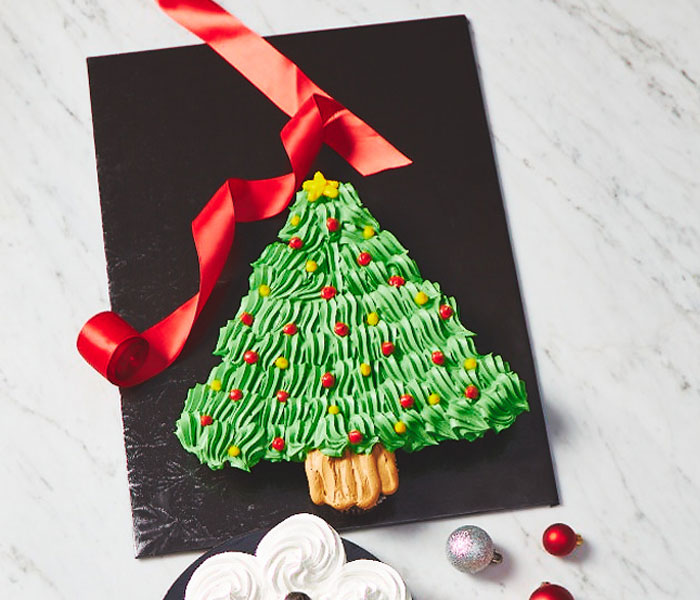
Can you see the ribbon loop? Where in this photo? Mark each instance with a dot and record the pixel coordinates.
(112, 346)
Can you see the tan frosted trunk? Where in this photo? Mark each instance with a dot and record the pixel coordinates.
(352, 479)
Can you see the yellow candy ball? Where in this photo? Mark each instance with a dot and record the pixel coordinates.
(365, 369)
(311, 266)
(281, 363)
(294, 221)
(372, 318)
(264, 290)
(400, 427)
(233, 451)
(215, 385)
(421, 298)
(368, 232)
(433, 399)
(470, 363)
(333, 409)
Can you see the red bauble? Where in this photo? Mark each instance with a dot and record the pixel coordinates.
(206, 420)
(247, 319)
(278, 444)
(438, 357)
(387, 348)
(282, 396)
(332, 224)
(364, 258)
(445, 311)
(328, 292)
(289, 329)
(295, 243)
(327, 380)
(551, 591)
(235, 394)
(407, 401)
(396, 280)
(354, 436)
(559, 539)
(341, 329)
(471, 392)
(251, 357)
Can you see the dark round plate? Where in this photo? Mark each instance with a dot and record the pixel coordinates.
(245, 543)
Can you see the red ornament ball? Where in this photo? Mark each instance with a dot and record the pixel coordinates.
(282, 396)
(341, 329)
(247, 319)
(551, 591)
(332, 224)
(328, 292)
(438, 357)
(327, 380)
(235, 394)
(446, 311)
(471, 392)
(559, 539)
(387, 348)
(364, 258)
(290, 329)
(206, 420)
(251, 357)
(396, 281)
(354, 436)
(295, 243)
(278, 444)
(407, 401)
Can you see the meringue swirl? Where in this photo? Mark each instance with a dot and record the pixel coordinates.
(301, 554)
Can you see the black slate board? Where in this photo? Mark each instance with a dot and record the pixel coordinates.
(246, 543)
(171, 125)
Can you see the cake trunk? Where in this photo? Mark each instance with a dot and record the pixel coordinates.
(352, 480)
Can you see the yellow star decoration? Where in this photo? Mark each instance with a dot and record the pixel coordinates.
(320, 186)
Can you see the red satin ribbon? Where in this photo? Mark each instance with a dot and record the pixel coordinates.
(112, 346)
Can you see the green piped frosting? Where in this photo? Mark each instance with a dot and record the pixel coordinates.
(368, 404)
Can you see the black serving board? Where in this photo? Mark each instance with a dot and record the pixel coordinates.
(171, 125)
(247, 543)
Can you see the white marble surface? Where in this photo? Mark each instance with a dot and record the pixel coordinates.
(595, 110)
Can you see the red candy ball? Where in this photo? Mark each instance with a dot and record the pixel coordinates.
(328, 292)
(445, 311)
(327, 380)
(282, 396)
(247, 319)
(295, 243)
(551, 591)
(387, 348)
(289, 329)
(235, 394)
(341, 329)
(364, 258)
(438, 357)
(396, 280)
(354, 436)
(407, 401)
(206, 420)
(471, 392)
(559, 539)
(278, 444)
(332, 224)
(251, 357)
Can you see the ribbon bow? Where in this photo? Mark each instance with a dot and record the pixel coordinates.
(112, 346)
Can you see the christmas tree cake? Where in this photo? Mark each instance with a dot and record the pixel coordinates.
(341, 354)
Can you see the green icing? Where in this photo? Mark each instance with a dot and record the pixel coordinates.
(368, 404)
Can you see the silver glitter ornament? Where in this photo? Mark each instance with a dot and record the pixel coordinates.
(470, 549)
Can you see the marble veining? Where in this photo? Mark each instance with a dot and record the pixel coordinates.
(594, 109)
